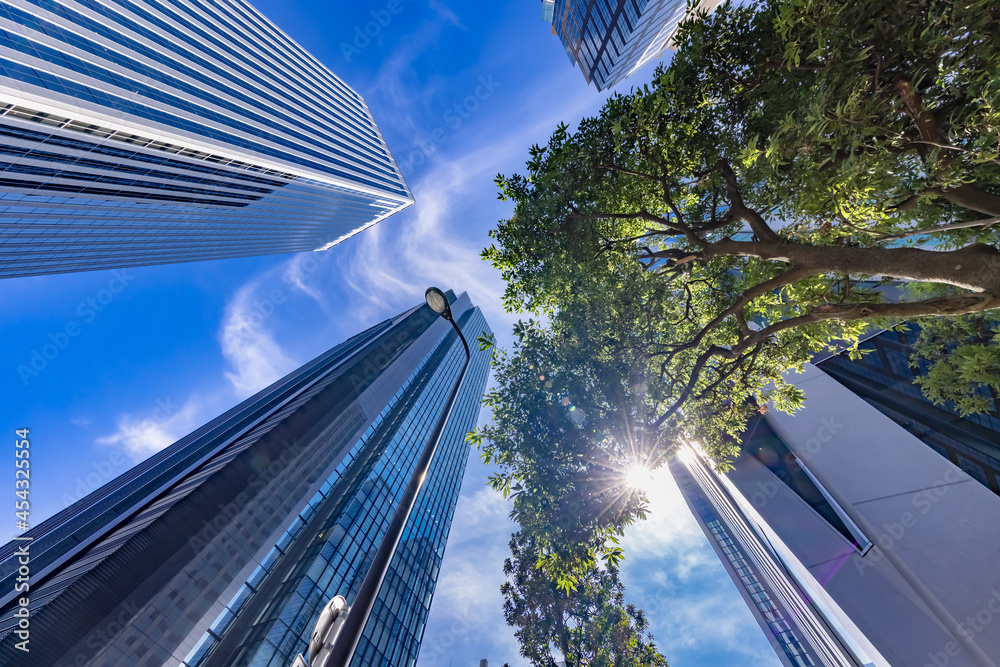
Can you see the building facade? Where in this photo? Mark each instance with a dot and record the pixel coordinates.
(611, 39)
(223, 548)
(884, 378)
(799, 633)
(158, 131)
(869, 545)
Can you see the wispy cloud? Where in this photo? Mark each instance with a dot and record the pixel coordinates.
(256, 358)
(394, 263)
(297, 270)
(396, 260)
(445, 12)
(140, 435)
(466, 620)
(474, 529)
(398, 85)
(675, 576)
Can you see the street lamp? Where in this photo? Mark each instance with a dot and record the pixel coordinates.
(346, 640)
(438, 301)
(331, 620)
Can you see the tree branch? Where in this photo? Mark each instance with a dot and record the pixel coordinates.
(639, 215)
(924, 120)
(630, 172)
(678, 229)
(679, 257)
(967, 196)
(948, 147)
(942, 228)
(975, 267)
(786, 278)
(936, 307)
(740, 210)
(913, 199)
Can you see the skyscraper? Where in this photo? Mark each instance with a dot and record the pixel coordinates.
(223, 548)
(852, 540)
(138, 132)
(884, 378)
(799, 634)
(611, 39)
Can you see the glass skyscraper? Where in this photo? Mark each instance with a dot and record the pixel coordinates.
(799, 635)
(138, 132)
(223, 548)
(610, 39)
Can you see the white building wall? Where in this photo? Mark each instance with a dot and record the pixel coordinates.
(928, 592)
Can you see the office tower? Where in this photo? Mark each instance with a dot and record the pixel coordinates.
(884, 379)
(223, 548)
(799, 635)
(137, 132)
(611, 39)
(852, 541)
(548, 10)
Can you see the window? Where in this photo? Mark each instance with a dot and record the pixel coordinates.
(766, 446)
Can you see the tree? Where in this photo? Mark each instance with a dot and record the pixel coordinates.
(558, 441)
(892, 101)
(794, 163)
(766, 213)
(590, 626)
(959, 361)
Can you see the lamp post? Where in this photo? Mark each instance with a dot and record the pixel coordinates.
(346, 640)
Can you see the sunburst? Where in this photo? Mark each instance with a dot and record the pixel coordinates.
(639, 477)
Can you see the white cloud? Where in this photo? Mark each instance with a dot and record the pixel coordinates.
(669, 528)
(444, 11)
(466, 618)
(397, 83)
(395, 261)
(480, 514)
(256, 358)
(165, 423)
(297, 269)
(675, 576)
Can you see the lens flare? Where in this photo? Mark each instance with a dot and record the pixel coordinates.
(639, 477)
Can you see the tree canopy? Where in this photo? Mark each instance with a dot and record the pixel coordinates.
(960, 360)
(758, 203)
(766, 214)
(865, 109)
(590, 626)
(558, 438)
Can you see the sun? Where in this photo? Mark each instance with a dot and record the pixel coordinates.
(639, 477)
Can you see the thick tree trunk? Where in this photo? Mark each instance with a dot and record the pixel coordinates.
(943, 306)
(975, 267)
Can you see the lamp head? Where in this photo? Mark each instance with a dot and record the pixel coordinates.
(438, 301)
(334, 609)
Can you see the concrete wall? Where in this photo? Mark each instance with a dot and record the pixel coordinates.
(928, 591)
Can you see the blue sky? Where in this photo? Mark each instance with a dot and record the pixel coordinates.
(158, 351)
